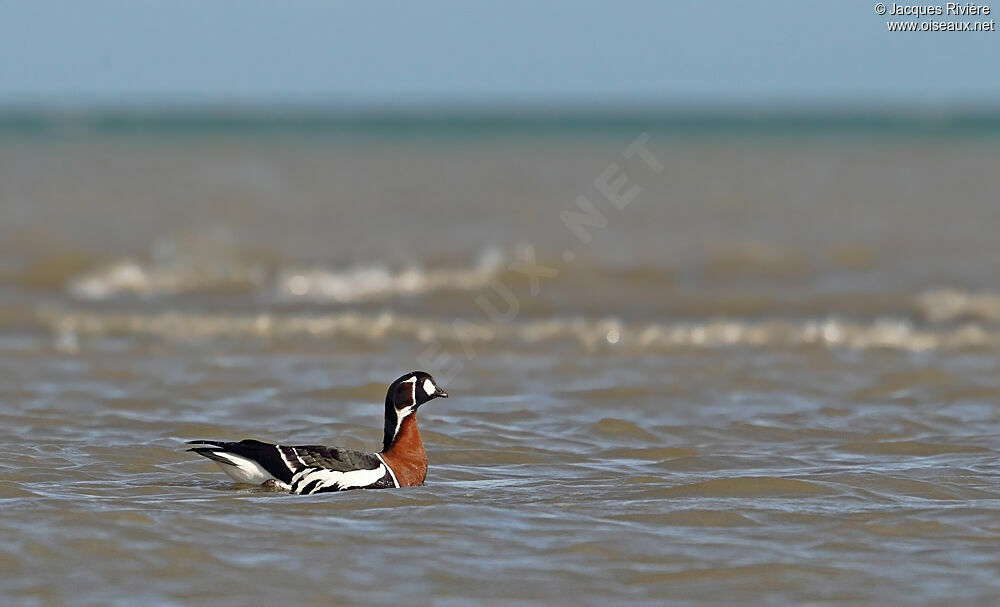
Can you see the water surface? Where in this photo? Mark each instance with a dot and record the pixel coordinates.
(772, 378)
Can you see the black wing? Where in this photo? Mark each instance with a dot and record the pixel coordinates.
(284, 462)
(267, 455)
(331, 458)
(326, 469)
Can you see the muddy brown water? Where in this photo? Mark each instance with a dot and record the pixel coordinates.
(772, 378)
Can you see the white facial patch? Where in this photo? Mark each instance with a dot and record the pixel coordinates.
(429, 387)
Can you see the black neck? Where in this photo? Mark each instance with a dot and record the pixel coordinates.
(391, 417)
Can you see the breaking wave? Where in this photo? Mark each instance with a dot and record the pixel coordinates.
(159, 278)
(354, 284)
(129, 277)
(379, 282)
(213, 262)
(948, 305)
(588, 334)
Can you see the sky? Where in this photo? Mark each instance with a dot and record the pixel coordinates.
(776, 53)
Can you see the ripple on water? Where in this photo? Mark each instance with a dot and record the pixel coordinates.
(692, 517)
(906, 447)
(621, 430)
(692, 485)
(744, 487)
(650, 454)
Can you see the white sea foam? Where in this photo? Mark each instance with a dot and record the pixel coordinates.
(130, 277)
(157, 278)
(368, 282)
(201, 261)
(588, 334)
(945, 305)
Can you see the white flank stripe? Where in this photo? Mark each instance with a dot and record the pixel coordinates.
(289, 463)
(392, 474)
(361, 478)
(343, 480)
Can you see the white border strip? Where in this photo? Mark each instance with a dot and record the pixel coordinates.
(391, 473)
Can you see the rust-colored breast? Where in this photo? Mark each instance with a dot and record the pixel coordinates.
(406, 455)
